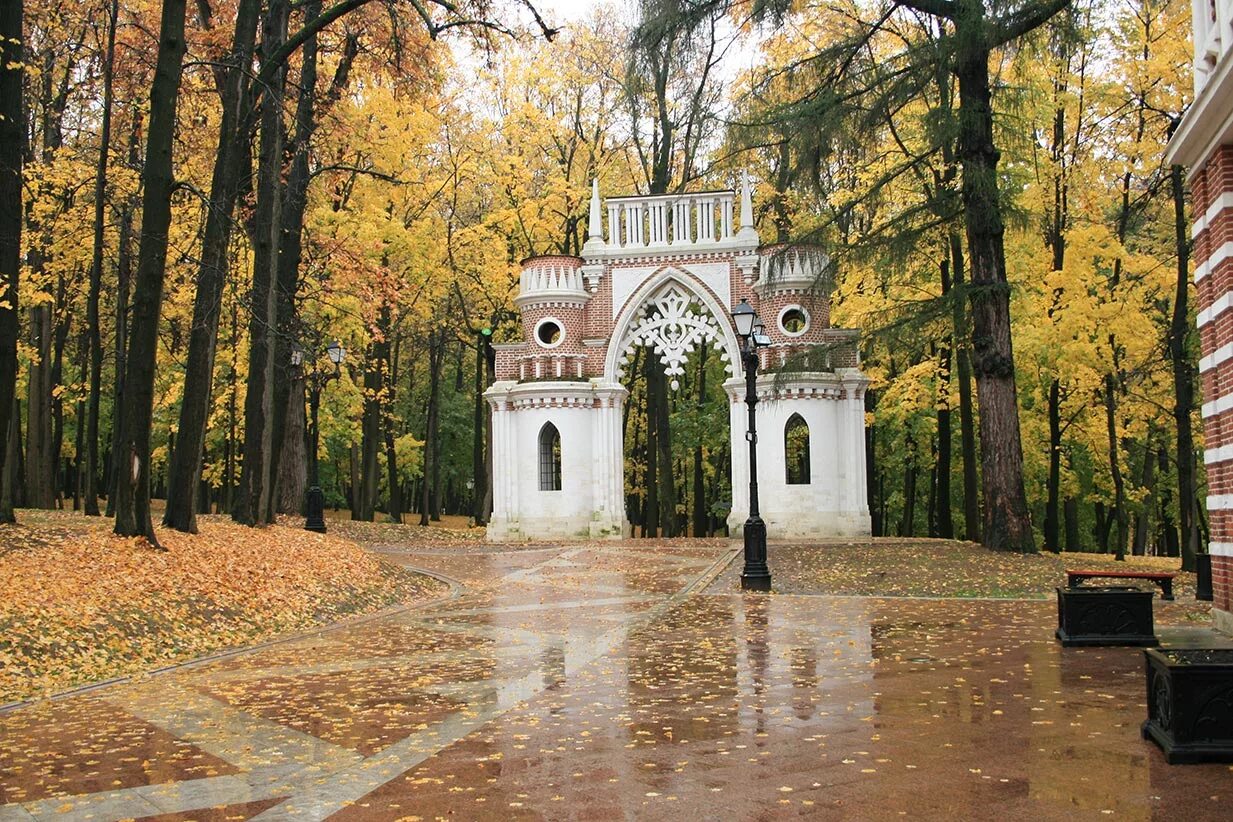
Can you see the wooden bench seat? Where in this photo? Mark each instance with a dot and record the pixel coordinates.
(1162, 578)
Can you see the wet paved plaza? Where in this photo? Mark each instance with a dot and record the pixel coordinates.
(618, 682)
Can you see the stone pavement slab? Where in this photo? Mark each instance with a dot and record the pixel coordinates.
(602, 682)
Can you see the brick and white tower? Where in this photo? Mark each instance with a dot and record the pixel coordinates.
(665, 275)
(1203, 143)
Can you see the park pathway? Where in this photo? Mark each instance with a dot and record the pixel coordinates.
(620, 681)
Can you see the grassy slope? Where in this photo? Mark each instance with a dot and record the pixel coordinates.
(78, 605)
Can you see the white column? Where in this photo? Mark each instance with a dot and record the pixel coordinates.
(739, 448)
(614, 224)
(704, 209)
(861, 489)
(510, 430)
(498, 463)
(680, 223)
(841, 425)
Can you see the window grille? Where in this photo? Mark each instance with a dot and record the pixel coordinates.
(549, 458)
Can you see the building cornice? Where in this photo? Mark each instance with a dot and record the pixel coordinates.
(1208, 122)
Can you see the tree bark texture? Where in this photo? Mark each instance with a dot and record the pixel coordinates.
(253, 498)
(293, 466)
(1183, 379)
(233, 144)
(133, 487)
(1007, 522)
(436, 353)
(12, 151)
(124, 278)
(90, 491)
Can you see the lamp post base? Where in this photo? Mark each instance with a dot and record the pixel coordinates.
(315, 510)
(755, 576)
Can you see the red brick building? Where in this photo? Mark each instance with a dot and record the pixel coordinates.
(1203, 144)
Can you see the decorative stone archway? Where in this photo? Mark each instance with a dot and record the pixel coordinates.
(672, 329)
(583, 316)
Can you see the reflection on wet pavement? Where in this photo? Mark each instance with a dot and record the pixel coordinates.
(598, 682)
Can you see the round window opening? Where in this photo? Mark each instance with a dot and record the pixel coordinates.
(549, 332)
(794, 321)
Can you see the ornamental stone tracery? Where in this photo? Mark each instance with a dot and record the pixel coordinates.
(672, 328)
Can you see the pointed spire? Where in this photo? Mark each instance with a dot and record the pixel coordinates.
(595, 229)
(595, 225)
(747, 231)
(746, 201)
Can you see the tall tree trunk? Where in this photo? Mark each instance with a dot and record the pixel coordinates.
(1007, 522)
(387, 425)
(490, 375)
(663, 441)
(967, 422)
(1183, 378)
(229, 447)
(372, 427)
(436, 353)
(12, 154)
(1053, 483)
(1119, 485)
(57, 379)
(945, 522)
(391, 464)
(1070, 517)
(478, 473)
(124, 277)
(40, 458)
(96, 271)
(1144, 514)
(80, 458)
(1170, 545)
(133, 488)
(651, 396)
(293, 465)
(872, 486)
(909, 491)
(230, 162)
(253, 499)
(700, 508)
(290, 243)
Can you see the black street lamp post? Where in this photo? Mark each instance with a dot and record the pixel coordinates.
(755, 576)
(317, 379)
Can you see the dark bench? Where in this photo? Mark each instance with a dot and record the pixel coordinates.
(1162, 578)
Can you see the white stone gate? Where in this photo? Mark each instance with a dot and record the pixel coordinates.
(665, 276)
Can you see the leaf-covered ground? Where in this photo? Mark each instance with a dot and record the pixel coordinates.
(937, 568)
(79, 605)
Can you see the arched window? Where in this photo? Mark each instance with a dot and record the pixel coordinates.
(549, 458)
(796, 450)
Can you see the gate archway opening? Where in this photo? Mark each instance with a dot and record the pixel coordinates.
(677, 441)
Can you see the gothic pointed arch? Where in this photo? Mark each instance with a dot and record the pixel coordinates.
(549, 458)
(672, 327)
(796, 450)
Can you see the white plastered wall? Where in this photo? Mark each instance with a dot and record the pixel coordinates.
(587, 416)
(834, 503)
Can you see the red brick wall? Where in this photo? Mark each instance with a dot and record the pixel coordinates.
(1222, 580)
(1207, 185)
(595, 320)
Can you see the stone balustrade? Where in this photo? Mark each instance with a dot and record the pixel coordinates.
(551, 366)
(1213, 36)
(670, 220)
